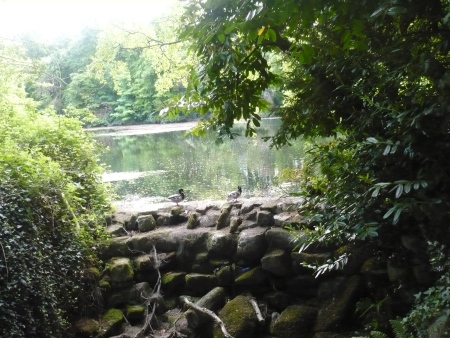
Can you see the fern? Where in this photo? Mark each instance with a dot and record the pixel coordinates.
(378, 334)
(399, 329)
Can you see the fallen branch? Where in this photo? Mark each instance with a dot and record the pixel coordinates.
(209, 313)
(256, 308)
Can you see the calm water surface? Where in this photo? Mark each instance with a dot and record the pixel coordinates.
(153, 166)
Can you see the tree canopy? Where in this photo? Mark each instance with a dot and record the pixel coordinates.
(371, 79)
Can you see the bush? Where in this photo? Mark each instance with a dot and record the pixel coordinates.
(51, 208)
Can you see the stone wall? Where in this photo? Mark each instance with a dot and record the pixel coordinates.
(230, 257)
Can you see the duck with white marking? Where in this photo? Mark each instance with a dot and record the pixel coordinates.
(234, 195)
(177, 198)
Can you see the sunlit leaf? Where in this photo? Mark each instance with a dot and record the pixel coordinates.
(261, 30)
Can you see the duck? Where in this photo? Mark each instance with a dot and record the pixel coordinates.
(234, 195)
(177, 198)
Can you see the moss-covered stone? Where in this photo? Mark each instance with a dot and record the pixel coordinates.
(176, 211)
(105, 287)
(146, 223)
(239, 318)
(134, 313)
(92, 273)
(277, 262)
(121, 270)
(198, 284)
(173, 281)
(254, 276)
(225, 275)
(111, 322)
(296, 321)
(234, 224)
(192, 221)
(339, 308)
(87, 327)
(224, 219)
(133, 295)
(143, 263)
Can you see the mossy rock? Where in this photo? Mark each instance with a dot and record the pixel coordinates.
(296, 321)
(87, 327)
(176, 211)
(135, 313)
(192, 221)
(173, 281)
(92, 273)
(105, 287)
(144, 263)
(239, 318)
(146, 223)
(121, 270)
(198, 284)
(254, 276)
(223, 220)
(111, 322)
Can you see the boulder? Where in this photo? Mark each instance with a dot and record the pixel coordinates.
(235, 222)
(131, 223)
(116, 230)
(172, 281)
(131, 332)
(296, 321)
(278, 300)
(303, 285)
(224, 219)
(301, 258)
(239, 319)
(255, 276)
(270, 206)
(440, 328)
(146, 223)
(213, 300)
(280, 238)
(143, 263)
(287, 218)
(121, 271)
(251, 215)
(247, 224)
(249, 205)
(133, 295)
(111, 322)
(220, 244)
(134, 313)
(192, 221)
(277, 262)
(199, 284)
(251, 245)
(264, 218)
(225, 275)
(115, 247)
(340, 307)
(209, 220)
(86, 328)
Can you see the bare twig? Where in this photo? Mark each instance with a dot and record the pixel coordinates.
(209, 313)
(256, 308)
(156, 294)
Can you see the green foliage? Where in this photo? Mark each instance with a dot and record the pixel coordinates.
(434, 301)
(371, 78)
(51, 212)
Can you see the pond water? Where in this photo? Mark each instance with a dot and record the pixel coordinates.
(154, 166)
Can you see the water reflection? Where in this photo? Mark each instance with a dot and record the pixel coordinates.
(157, 165)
